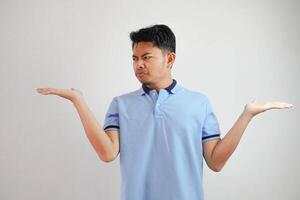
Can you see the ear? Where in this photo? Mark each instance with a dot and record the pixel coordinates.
(171, 56)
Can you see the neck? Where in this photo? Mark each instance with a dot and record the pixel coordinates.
(161, 84)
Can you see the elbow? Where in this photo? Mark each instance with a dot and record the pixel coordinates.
(103, 157)
(216, 167)
(107, 158)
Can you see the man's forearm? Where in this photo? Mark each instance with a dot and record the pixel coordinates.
(96, 135)
(228, 144)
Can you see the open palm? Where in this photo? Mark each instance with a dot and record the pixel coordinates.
(70, 94)
(255, 107)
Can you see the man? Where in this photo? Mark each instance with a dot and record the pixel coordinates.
(162, 129)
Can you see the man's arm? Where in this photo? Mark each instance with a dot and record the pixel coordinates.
(106, 143)
(217, 152)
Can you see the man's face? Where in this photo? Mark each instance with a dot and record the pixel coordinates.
(149, 63)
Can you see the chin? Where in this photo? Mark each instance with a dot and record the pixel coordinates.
(143, 81)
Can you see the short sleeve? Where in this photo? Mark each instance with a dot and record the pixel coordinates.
(111, 121)
(211, 129)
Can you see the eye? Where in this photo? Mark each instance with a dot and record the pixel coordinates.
(147, 57)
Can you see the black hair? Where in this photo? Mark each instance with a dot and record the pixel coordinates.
(159, 34)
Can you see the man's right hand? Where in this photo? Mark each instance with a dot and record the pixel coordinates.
(70, 94)
(106, 144)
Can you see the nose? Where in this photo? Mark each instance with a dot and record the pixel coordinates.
(140, 63)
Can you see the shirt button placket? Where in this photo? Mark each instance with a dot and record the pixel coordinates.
(157, 111)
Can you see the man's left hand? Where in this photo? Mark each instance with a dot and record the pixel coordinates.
(253, 108)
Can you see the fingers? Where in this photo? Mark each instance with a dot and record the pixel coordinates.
(284, 105)
(46, 91)
(272, 104)
(280, 105)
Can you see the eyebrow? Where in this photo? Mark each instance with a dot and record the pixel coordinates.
(134, 56)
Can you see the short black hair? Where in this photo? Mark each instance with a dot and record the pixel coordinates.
(159, 34)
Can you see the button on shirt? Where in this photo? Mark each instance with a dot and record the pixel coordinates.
(161, 140)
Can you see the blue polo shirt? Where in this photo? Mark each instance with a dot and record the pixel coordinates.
(161, 139)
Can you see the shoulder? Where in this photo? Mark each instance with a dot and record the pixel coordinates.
(195, 95)
(127, 96)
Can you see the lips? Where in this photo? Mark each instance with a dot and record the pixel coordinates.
(140, 73)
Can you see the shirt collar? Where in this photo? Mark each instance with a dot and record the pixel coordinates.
(171, 88)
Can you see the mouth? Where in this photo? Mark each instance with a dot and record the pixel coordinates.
(140, 74)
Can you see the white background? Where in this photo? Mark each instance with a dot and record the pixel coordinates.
(233, 51)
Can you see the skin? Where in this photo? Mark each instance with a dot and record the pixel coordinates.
(152, 66)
